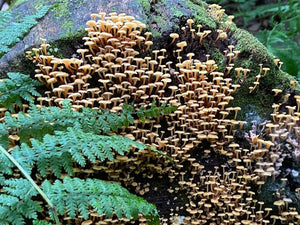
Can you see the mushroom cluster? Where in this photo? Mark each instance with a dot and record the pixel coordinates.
(109, 72)
(112, 70)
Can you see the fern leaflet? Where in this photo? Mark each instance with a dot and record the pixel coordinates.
(12, 31)
(41, 121)
(17, 88)
(57, 152)
(16, 202)
(105, 197)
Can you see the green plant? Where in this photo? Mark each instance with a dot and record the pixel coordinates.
(72, 195)
(13, 29)
(15, 88)
(283, 39)
(282, 46)
(54, 139)
(42, 121)
(58, 152)
(32, 208)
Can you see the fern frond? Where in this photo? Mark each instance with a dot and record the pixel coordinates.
(5, 17)
(41, 222)
(75, 195)
(152, 112)
(17, 88)
(12, 31)
(16, 202)
(58, 152)
(41, 121)
(5, 166)
(4, 141)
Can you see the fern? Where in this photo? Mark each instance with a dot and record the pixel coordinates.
(16, 202)
(12, 31)
(283, 36)
(281, 45)
(16, 89)
(154, 111)
(60, 151)
(41, 121)
(4, 141)
(53, 139)
(5, 17)
(72, 195)
(75, 195)
(40, 222)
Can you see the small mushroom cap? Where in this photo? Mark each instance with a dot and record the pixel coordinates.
(174, 35)
(279, 203)
(181, 44)
(148, 43)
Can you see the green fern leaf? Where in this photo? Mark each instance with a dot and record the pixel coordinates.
(105, 197)
(16, 88)
(12, 31)
(17, 219)
(2, 179)
(83, 208)
(16, 202)
(71, 205)
(41, 222)
(4, 141)
(5, 165)
(40, 122)
(56, 165)
(56, 152)
(67, 163)
(8, 200)
(5, 17)
(29, 209)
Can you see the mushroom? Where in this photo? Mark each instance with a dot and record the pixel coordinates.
(66, 88)
(148, 44)
(181, 45)
(51, 81)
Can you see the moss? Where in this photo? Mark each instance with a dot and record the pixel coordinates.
(173, 10)
(145, 4)
(156, 35)
(261, 99)
(258, 100)
(68, 27)
(18, 65)
(160, 23)
(66, 46)
(252, 53)
(219, 59)
(200, 13)
(247, 43)
(61, 8)
(177, 13)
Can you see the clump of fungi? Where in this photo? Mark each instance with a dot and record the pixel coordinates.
(111, 71)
